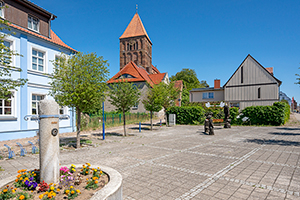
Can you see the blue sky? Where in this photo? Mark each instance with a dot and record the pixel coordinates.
(211, 37)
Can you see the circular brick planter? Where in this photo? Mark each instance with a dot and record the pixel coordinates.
(111, 191)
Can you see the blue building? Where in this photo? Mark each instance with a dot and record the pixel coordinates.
(38, 45)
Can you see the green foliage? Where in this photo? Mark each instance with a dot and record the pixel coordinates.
(153, 101)
(277, 114)
(187, 114)
(234, 112)
(298, 79)
(79, 81)
(189, 79)
(123, 95)
(7, 84)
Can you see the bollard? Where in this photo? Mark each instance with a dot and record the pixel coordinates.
(140, 127)
(160, 122)
(49, 141)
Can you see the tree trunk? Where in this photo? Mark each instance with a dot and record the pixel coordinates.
(151, 120)
(78, 127)
(124, 123)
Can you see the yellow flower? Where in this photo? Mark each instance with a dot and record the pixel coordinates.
(54, 184)
(71, 187)
(95, 170)
(46, 192)
(54, 194)
(88, 164)
(74, 170)
(19, 175)
(96, 182)
(95, 178)
(22, 197)
(13, 191)
(52, 188)
(98, 167)
(41, 196)
(51, 184)
(73, 166)
(5, 190)
(72, 192)
(86, 172)
(78, 191)
(83, 166)
(87, 179)
(58, 190)
(26, 179)
(67, 191)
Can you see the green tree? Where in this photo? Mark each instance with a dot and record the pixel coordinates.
(7, 84)
(123, 95)
(298, 79)
(153, 101)
(190, 81)
(79, 81)
(168, 95)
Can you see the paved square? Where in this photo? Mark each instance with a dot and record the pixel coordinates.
(182, 162)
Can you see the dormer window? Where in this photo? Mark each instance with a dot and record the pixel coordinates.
(1, 9)
(125, 76)
(33, 23)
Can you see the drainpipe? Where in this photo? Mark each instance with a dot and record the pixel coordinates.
(49, 25)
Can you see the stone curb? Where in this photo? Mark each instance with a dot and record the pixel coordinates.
(111, 191)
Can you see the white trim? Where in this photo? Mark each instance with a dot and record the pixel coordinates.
(12, 48)
(42, 50)
(30, 100)
(13, 106)
(38, 23)
(3, 10)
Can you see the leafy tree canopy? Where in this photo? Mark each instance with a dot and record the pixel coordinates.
(7, 84)
(189, 79)
(123, 95)
(79, 81)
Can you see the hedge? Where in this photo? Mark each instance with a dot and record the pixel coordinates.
(187, 114)
(277, 114)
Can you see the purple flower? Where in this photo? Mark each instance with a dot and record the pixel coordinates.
(31, 178)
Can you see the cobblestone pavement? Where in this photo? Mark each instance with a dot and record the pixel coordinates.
(182, 162)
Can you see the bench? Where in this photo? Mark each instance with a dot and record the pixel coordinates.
(219, 122)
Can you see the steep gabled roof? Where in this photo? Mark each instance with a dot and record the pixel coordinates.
(157, 78)
(155, 69)
(249, 56)
(54, 38)
(138, 73)
(135, 28)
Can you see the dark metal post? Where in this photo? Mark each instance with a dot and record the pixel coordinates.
(103, 124)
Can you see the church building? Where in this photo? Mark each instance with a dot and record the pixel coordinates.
(136, 62)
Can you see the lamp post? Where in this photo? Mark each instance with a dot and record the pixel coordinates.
(103, 125)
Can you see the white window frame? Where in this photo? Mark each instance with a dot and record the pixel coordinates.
(36, 56)
(64, 109)
(12, 48)
(31, 101)
(2, 4)
(32, 18)
(206, 95)
(13, 106)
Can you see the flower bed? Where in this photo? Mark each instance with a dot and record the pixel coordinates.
(74, 183)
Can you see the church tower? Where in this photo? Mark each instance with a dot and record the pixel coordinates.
(136, 46)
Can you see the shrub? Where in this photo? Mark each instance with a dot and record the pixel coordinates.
(277, 114)
(187, 114)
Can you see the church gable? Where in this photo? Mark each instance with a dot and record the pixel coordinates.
(251, 72)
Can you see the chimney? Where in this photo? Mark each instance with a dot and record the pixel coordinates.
(217, 84)
(270, 70)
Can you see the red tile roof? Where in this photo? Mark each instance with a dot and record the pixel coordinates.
(54, 38)
(157, 78)
(135, 28)
(139, 73)
(155, 69)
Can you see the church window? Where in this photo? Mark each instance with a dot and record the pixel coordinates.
(125, 76)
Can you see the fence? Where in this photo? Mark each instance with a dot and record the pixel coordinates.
(111, 119)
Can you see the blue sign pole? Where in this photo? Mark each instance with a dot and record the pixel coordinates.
(140, 127)
(103, 124)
